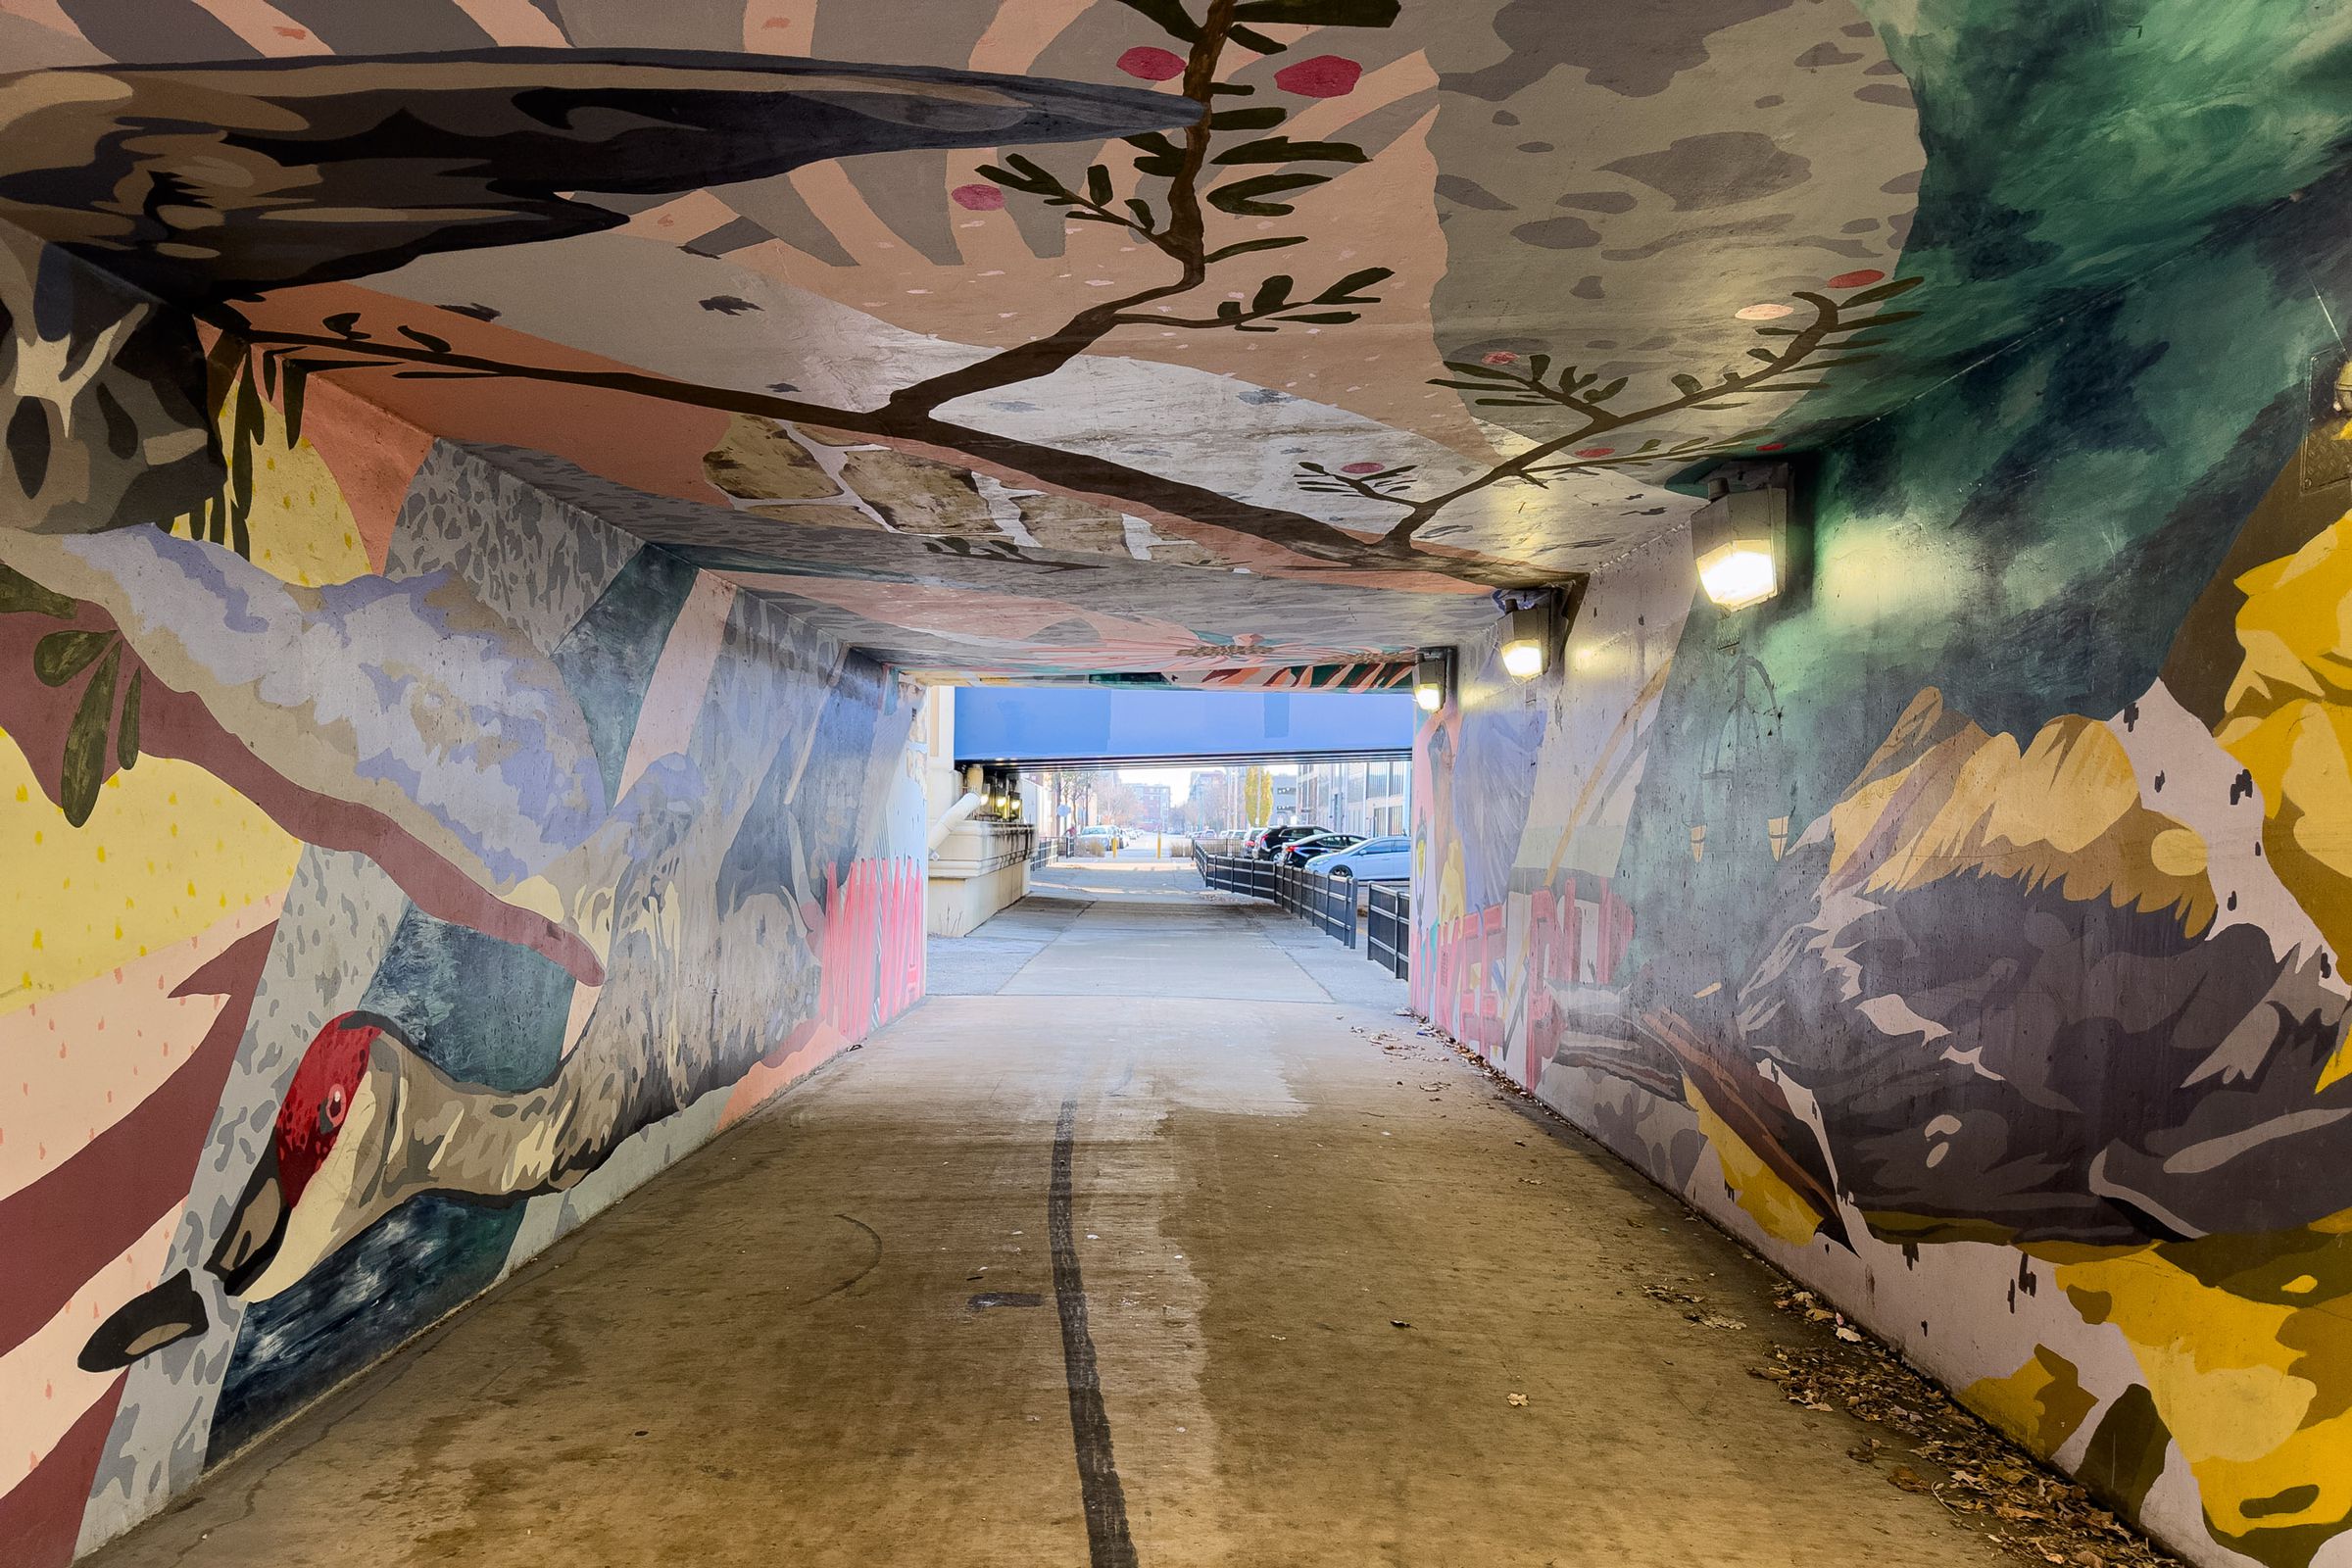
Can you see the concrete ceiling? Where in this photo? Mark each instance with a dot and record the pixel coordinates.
(950, 325)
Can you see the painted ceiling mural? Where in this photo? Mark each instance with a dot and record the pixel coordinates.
(1069, 338)
(1082, 339)
(453, 448)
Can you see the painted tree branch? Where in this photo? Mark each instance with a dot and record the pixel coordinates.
(1580, 395)
(1113, 482)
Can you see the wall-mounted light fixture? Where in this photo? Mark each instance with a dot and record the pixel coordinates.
(1433, 679)
(1530, 626)
(1741, 537)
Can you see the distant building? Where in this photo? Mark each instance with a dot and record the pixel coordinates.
(1152, 802)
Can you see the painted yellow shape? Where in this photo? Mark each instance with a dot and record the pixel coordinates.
(163, 827)
(2229, 1377)
(302, 530)
(1775, 1205)
(2065, 808)
(2288, 721)
(2041, 1404)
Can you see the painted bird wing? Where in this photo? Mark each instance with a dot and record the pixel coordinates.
(203, 182)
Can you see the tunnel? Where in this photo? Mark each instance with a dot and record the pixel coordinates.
(1175, 782)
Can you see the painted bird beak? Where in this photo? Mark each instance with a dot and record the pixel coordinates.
(254, 1231)
(144, 1325)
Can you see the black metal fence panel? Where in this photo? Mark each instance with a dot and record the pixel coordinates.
(1387, 928)
(1327, 903)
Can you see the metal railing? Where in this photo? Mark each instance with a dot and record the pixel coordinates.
(1326, 902)
(1388, 927)
(1330, 904)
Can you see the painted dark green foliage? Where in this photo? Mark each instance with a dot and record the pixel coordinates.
(58, 660)
(2057, 511)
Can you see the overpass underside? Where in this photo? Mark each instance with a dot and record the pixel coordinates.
(1831, 517)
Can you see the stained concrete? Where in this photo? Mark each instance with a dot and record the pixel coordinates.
(1314, 1255)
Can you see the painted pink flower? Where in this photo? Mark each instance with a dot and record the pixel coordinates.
(1361, 467)
(1856, 279)
(1151, 64)
(1324, 77)
(1498, 356)
(1595, 452)
(1769, 310)
(978, 198)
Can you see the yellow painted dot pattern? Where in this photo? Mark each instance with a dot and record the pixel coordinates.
(170, 851)
(302, 531)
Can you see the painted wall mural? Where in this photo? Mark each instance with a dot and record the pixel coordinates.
(478, 479)
(543, 854)
(1965, 928)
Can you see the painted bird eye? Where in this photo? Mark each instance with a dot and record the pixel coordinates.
(334, 1106)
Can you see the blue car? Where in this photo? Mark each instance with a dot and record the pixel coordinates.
(1382, 859)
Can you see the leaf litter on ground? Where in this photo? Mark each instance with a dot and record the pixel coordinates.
(1948, 1453)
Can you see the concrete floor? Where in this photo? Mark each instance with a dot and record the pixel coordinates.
(1149, 1251)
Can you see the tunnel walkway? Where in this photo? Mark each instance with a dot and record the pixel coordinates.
(1132, 1245)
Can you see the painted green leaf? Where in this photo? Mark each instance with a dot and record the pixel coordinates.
(127, 735)
(1602, 394)
(298, 376)
(1766, 355)
(1239, 247)
(63, 654)
(1465, 367)
(439, 345)
(1319, 13)
(1170, 15)
(1141, 210)
(1341, 292)
(1161, 156)
(1327, 317)
(1283, 150)
(19, 593)
(1882, 318)
(1251, 39)
(1271, 293)
(1241, 197)
(1098, 185)
(1266, 116)
(85, 766)
(345, 324)
(1688, 384)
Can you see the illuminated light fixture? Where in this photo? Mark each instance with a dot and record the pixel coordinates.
(1530, 622)
(1433, 679)
(1741, 538)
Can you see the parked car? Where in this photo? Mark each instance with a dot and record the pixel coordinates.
(1276, 837)
(1380, 859)
(1300, 851)
(1103, 836)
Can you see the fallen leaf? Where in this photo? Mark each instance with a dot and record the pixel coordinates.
(1908, 1479)
(1518, 1399)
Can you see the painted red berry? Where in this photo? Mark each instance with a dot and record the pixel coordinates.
(978, 198)
(1856, 279)
(1323, 77)
(1595, 452)
(1499, 357)
(1772, 446)
(1151, 64)
(1361, 467)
